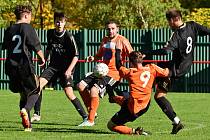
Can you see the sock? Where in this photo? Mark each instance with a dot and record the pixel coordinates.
(93, 108)
(77, 104)
(31, 101)
(166, 107)
(122, 129)
(86, 99)
(22, 102)
(176, 120)
(37, 106)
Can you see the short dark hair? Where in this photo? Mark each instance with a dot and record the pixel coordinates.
(112, 21)
(20, 9)
(135, 57)
(172, 13)
(59, 15)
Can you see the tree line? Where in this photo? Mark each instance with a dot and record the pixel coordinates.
(92, 14)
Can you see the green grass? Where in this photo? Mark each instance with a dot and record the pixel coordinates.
(59, 119)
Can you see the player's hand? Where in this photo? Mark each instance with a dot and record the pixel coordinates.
(68, 73)
(90, 59)
(42, 62)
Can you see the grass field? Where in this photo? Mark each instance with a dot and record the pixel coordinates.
(59, 119)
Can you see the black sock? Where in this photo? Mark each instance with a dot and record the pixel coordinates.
(37, 107)
(166, 107)
(31, 101)
(23, 99)
(77, 104)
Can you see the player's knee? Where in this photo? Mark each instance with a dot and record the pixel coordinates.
(110, 125)
(159, 93)
(80, 86)
(163, 85)
(94, 91)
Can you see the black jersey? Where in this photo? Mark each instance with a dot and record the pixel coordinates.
(62, 48)
(182, 44)
(19, 41)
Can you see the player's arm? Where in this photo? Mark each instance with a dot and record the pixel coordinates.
(118, 61)
(5, 40)
(41, 57)
(127, 46)
(168, 48)
(48, 50)
(75, 58)
(201, 30)
(33, 41)
(163, 51)
(123, 71)
(160, 72)
(98, 55)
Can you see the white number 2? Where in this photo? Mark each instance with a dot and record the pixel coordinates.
(144, 77)
(189, 45)
(17, 47)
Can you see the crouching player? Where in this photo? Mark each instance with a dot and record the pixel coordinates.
(140, 79)
(91, 86)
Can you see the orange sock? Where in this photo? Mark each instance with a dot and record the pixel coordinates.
(93, 108)
(86, 99)
(122, 129)
(119, 99)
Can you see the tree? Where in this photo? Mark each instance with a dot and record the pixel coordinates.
(200, 15)
(190, 4)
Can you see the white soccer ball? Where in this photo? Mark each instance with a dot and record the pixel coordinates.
(100, 70)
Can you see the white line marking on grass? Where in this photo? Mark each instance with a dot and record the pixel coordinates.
(187, 127)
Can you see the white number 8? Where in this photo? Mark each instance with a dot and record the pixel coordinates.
(17, 47)
(189, 45)
(144, 77)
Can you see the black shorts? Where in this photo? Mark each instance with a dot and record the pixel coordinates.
(124, 115)
(164, 83)
(21, 80)
(51, 72)
(101, 83)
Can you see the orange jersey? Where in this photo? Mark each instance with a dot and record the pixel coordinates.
(140, 83)
(107, 53)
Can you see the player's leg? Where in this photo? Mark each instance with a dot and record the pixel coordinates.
(67, 84)
(75, 101)
(117, 122)
(31, 90)
(85, 94)
(94, 104)
(31, 84)
(37, 109)
(112, 84)
(165, 105)
(99, 87)
(84, 87)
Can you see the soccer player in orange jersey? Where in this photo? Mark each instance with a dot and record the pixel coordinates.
(91, 87)
(140, 79)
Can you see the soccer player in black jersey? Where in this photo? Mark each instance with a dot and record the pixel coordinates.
(181, 44)
(20, 40)
(63, 52)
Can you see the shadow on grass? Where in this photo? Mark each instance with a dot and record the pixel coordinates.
(71, 130)
(6, 126)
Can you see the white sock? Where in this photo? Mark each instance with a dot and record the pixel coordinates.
(176, 120)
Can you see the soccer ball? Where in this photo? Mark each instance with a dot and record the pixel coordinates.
(100, 70)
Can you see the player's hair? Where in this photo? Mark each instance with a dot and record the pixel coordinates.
(135, 57)
(59, 15)
(172, 13)
(21, 9)
(112, 21)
